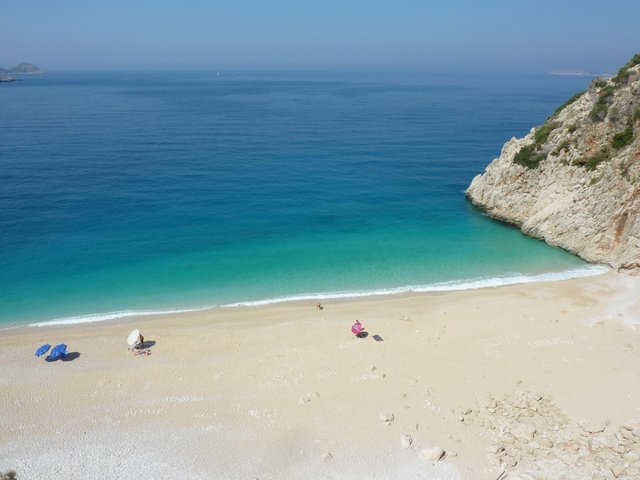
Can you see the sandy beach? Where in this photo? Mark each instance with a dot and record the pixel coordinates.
(538, 380)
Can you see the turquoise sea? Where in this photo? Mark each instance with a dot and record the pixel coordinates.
(129, 192)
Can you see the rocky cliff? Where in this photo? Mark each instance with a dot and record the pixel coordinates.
(574, 181)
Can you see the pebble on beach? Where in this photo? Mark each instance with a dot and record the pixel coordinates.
(387, 417)
(432, 454)
(406, 441)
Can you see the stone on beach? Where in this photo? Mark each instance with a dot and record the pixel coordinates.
(308, 397)
(406, 441)
(545, 442)
(432, 454)
(632, 457)
(599, 442)
(570, 446)
(495, 449)
(632, 424)
(522, 431)
(508, 461)
(617, 469)
(596, 427)
(386, 417)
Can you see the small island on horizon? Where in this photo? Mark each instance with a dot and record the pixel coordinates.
(578, 73)
(7, 74)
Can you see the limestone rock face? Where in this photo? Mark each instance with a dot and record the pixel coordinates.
(574, 181)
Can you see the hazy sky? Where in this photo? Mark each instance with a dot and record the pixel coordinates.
(401, 35)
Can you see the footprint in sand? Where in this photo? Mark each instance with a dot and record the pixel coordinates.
(386, 417)
(308, 397)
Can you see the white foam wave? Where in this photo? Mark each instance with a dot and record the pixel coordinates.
(586, 271)
(101, 317)
(453, 285)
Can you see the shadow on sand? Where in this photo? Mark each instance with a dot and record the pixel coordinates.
(69, 357)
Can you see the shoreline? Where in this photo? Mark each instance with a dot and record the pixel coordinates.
(455, 285)
(286, 391)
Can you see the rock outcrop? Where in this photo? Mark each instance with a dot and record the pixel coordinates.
(529, 437)
(574, 181)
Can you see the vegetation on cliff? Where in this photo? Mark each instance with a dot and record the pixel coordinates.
(530, 156)
(617, 119)
(625, 72)
(624, 138)
(567, 103)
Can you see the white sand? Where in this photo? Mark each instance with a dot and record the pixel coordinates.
(286, 392)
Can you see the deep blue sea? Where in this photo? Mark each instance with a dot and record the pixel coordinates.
(167, 191)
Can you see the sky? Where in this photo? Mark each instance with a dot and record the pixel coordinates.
(344, 35)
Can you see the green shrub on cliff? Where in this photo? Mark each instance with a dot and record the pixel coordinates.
(623, 73)
(543, 132)
(567, 103)
(599, 111)
(591, 163)
(531, 155)
(601, 107)
(623, 138)
(528, 157)
(562, 148)
(10, 475)
(599, 83)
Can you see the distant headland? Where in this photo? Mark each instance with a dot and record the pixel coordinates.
(6, 74)
(579, 73)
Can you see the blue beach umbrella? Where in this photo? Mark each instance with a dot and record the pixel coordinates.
(59, 351)
(42, 350)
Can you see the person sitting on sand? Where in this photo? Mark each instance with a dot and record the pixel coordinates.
(357, 329)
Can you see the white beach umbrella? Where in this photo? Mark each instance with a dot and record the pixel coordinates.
(133, 338)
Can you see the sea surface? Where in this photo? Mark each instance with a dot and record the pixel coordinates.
(145, 192)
